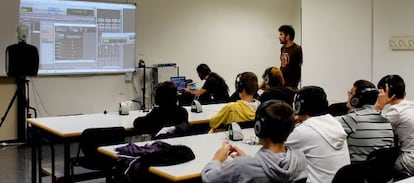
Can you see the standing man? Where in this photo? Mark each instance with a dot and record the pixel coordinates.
(291, 57)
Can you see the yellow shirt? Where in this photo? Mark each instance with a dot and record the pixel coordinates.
(237, 111)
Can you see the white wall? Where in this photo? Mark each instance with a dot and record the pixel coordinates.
(231, 36)
(393, 18)
(344, 41)
(336, 45)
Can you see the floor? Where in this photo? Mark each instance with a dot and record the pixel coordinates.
(15, 163)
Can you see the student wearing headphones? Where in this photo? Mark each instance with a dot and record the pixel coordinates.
(166, 119)
(273, 86)
(320, 136)
(400, 113)
(214, 89)
(367, 130)
(242, 110)
(274, 162)
(272, 77)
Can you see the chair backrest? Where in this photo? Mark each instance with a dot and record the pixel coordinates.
(383, 161)
(377, 168)
(92, 138)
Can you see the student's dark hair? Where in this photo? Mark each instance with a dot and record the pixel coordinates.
(311, 100)
(367, 97)
(248, 82)
(279, 121)
(288, 30)
(166, 94)
(203, 70)
(395, 83)
(273, 76)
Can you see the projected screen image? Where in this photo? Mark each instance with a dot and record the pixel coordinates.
(75, 37)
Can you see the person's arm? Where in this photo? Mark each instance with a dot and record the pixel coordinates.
(348, 123)
(183, 126)
(199, 92)
(222, 117)
(215, 171)
(383, 98)
(144, 124)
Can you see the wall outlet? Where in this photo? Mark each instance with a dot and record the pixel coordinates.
(401, 43)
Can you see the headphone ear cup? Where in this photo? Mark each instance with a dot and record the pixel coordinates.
(354, 101)
(298, 106)
(267, 79)
(239, 84)
(258, 127)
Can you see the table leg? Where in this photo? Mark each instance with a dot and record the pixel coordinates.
(34, 146)
(66, 161)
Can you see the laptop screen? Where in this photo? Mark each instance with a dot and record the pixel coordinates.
(179, 81)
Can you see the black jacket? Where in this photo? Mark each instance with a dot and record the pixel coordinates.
(160, 117)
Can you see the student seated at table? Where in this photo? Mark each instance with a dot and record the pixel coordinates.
(166, 119)
(274, 162)
(400, 112)
(367, 130)
(272, 77)
(214, 89)
(319, 136)
(273, 86)
(242, 110)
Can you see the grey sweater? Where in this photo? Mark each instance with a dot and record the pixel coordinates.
(265, 166)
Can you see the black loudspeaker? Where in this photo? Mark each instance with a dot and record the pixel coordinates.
(239, 82)
(359, 99)
(22, 60)
(260, 126)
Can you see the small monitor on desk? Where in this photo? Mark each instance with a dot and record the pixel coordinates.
(180, 82)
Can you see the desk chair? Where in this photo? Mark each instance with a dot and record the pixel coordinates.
(378, 168)
(101, 165)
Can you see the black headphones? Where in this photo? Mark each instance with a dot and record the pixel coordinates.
(359, 98)
(268, 75)
(263, 127)
(299, 105)
(239, 82)
(310, 100)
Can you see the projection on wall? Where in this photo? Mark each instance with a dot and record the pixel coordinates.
(75, 37)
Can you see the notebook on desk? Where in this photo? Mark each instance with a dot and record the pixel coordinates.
(180, 82)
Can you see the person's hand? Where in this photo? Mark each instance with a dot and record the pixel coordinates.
(383, 98)
(187, 89)
(166, 130)
(223, 152)
(236, 152)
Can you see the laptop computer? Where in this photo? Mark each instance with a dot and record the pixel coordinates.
(180, 82)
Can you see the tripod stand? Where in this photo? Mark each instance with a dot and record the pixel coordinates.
(23, 108)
